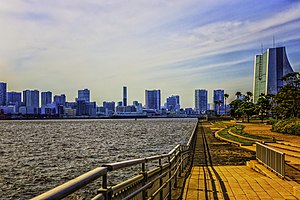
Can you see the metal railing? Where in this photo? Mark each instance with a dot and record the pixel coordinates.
(155, 183)
(273, 159)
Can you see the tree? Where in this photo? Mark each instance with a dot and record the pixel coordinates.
(235, 110)
(263, 105)
(238, 94)
(249, 96)
(225, 98)
(247, 107)
(287, 100)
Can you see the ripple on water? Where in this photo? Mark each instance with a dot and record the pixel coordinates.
(36, 156)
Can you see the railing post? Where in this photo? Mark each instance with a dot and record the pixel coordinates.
(145, 180)
(161, 194)
(170, 175)
(181, 162)
(105, 190)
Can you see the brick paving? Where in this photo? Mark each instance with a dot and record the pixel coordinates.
(241, 182)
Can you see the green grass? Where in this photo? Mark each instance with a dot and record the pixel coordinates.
(238, 129)
(226, 135)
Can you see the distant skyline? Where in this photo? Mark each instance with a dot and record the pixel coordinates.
(175, 46)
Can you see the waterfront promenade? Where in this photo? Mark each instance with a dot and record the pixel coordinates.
(254, 181)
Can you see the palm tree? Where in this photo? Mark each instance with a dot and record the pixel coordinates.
(238, 94)
(225, 98)
(249, 95)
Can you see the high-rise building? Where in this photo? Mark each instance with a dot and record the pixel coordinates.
(173, 103)
(3, 88)
(218, 101)
(201, 101)
(269, 69)
(84, 95)
(110, 106)
(124, 96)
(153, 100)
(14, 98)
(31, 98)
(46, 98)
(60, 99)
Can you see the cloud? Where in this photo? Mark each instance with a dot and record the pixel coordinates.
(173, 45)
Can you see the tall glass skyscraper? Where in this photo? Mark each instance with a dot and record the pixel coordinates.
(3, 87)
(31, 98)
(60, 99)
(153, 100)
(173, 103)
(46, 98)
(84, 95)
(201, 101)
(14, 98)
(219, 96)
(269, 69)
(124, 96)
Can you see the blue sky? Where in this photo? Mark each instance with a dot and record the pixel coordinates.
(176, 46)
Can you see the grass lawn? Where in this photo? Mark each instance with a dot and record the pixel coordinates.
(226, 135)
(238, 129)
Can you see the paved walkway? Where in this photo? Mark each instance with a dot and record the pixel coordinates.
(241, 182)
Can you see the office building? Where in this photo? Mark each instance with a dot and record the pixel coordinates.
(46, 98)
(124, 96)
(201, 101)
(120, 103)
(110, 106)
(60, 99)
(3, 88)
(138, 106)
(269, 69)
(84, 95)
(173, 103)
(218, 100)
(31, 98)
(14, 98)
(85, 108)
(152, 99)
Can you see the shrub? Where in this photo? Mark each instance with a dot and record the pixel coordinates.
(272, 121)
(290, 126)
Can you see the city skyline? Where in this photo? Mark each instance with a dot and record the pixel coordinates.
(176, 46)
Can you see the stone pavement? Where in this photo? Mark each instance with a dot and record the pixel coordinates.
(241, 182)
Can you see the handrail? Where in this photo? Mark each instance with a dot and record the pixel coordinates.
(177, 160)
(73, 185)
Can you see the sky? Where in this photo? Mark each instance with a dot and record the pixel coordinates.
(176, 46)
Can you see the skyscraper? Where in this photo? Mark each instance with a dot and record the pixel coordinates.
(14, 98)
(46, 98)
(124, 96)
(269, 69)
(201, 101)
(173, 103)
(3, 88)
(84, 95)
(60, 99)
(152, 98)
(219, 97)
(31, 98)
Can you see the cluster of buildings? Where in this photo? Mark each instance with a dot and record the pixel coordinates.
(269, 69)
(32, 103)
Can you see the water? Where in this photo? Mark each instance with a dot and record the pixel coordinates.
(36, 156)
